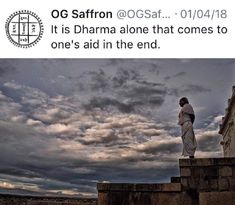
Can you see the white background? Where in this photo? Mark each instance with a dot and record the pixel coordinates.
(172, 46)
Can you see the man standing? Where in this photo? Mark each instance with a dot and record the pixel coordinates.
(186, 120)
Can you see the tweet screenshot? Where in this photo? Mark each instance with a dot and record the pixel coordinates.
(117, 103)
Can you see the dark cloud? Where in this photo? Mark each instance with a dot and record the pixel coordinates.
(144, 95)
(175, 76)
(20, 156)
(188, 89)
(123, 75)
(103, 103)
(163, 148)
(99, 80)
(22, 191)
(125, 90)
(180, 74)
(194, 89)
(134, 101)
(17, 171)
(6, 67)
(113, 62)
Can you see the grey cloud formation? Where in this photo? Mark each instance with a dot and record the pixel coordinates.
(163, 148)
(188, 89)
(124, 89)
(182, 73)
(6, 67)
(103, 103)
(67, 124)
(209, 142)
(194, 89)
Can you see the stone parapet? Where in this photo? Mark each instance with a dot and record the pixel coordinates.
(166, 194)
(123, 187)
(209, 174)
(201, 182)
(230, 161)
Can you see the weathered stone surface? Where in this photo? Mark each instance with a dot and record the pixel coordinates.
(227, 128)
(232, 184)
(198, 176)
(167, 187)
(116, 187)
(102, 198)
(210, 172)
(196, 162)
(146, 198)
(171, 187)
(188, 198)
(217, 198)
(196, 172)
(207, 162)
(203, 185)
(193, 183)
(213, 183)
(225, 171)
(185, 172)
(175, 179)
(162, 199)
(230, 161)
(184, 182)
(113, 198)
(233, 168)
(52, 203)
(223, 184)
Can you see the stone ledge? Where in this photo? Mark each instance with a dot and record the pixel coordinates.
(229, 161)
(185, 172)
(216, 198)
(175, 179)
(124, 187)
(226, 171)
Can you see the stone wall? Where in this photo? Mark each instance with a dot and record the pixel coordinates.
(206, 175)
(210, 178)
(227, 128)
(217, 198)
(201, 182)
(142, 194)
(29, 200)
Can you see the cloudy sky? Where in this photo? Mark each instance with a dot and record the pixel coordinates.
(66, 124)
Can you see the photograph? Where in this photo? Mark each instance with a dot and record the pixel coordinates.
(111, 131)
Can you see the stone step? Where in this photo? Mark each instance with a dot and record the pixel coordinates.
(126, 187)
(175, 179)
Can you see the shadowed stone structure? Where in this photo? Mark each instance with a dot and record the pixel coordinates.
(227, 128)
(201, 182)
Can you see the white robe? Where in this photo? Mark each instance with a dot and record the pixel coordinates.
(188, 136)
